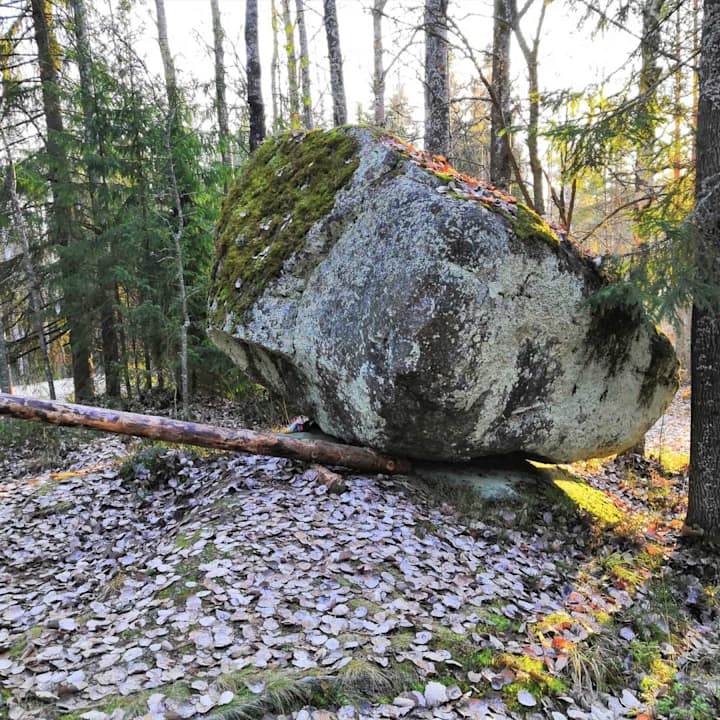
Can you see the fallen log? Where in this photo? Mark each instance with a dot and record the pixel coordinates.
(210, 436)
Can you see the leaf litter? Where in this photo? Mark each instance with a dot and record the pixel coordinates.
(245, 566)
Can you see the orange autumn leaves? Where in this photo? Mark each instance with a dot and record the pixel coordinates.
(459, 183)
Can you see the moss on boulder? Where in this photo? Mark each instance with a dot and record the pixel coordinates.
(288, 184)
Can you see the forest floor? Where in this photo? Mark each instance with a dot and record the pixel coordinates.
(155, 582)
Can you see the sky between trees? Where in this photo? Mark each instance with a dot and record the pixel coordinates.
(573, 55)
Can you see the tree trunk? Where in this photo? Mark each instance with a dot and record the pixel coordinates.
(304, 65)
(500, 117)
(171, 85)
(337, 83)
(277, 119)
(704, 492)
(220, 99)
(530, 53)
(110, 342)
(180, 268)
(533, 129)
(678, 109)
(108, 328)
(61, 228)
(378, 66)
(254, 86)
(4, 363)
(291, 65)
(210, 436)
(437, 78)
(650, 76)
(124, 352)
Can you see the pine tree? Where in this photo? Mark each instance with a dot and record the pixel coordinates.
(378, 9)
(304, 65)
(220, 95)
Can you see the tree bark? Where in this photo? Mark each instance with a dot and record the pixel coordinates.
(530, 53)
(171, 85)
(277, 109)
(437, 78)
(704, 491)
(304, 65)
(180, 269)
(337, 84)
(378, 66)
(210, 436)
(109, 338)
(293, 91)
(254, 86)
(220, 96)
(61, 230)
(500, 113)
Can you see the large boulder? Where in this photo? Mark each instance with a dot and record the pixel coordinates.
(413, 310)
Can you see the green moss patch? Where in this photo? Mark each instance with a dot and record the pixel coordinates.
(287, 185)
(531, 675)
(528, 225)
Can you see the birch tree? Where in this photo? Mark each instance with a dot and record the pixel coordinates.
(307, 116)
(378, 10)
(704, 491)
(180, 269)
(530, 49)
(337, 84)
(256, 108)
(437, 78)
(291, 59)
(277, 110)
(220, 95)
(171, 86)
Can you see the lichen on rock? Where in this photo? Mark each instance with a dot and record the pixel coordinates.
(410, 308)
